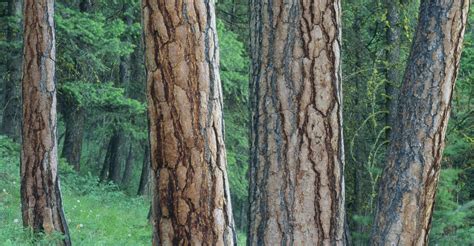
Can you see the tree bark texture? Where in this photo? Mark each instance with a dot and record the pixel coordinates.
(11, 98)
(408, 184)
(297, 164)
(40, 190)
(191, 199)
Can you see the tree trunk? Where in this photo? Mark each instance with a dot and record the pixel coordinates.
(393, 73)
(74, 117)
(11, 104)
(408, 185)
(41, 203)
(191, 199)
(114, 157)
(145, 176)
(297, 164)
(128, 171)
(72, 146)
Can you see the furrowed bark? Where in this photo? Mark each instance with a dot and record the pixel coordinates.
(40, 192)
(296, 173)
(408, 185)
(191, 199)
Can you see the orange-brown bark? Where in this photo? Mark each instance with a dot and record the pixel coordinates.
(40, 193)
(408, 184)
(191, 199)
(296, 174)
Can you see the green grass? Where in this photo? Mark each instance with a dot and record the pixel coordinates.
(97, 214)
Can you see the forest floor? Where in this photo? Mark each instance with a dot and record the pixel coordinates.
(97, 214)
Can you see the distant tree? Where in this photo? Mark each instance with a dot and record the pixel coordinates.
(191, 199)
(408, 185)
(40, 193)
(11, 90)
(297, 163)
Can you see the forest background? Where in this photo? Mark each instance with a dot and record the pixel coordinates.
(103, 124)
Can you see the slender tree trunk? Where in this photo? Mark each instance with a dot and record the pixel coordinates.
(11, 104)
(72, 147)
(41, 203)
(74, 117)
(118, 138)
(191, 199)
(145, 176)
(114, 157)
(393, 73)
(104, 172)
(408, 185)
(297, 163)
(128, 171)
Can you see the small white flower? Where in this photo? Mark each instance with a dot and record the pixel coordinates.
(81, 225)
(16, 220)
(4, 191)
(78, 201)
(129, 235)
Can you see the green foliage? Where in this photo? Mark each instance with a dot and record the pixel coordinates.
(453, 223)
(101, 96)
(88, 44)
(234, 76)
(97, 214)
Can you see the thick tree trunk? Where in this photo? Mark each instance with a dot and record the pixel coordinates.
(145, 176)
(191, 199)
(72, 146)
(41, 204)
(408, 185)
(297, 164)
(393, 73)
(128, 171)
(11, 104)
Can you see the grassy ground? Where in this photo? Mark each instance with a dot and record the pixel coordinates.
(97, 214)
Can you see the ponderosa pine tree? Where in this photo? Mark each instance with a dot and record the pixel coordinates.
(41, 204)
(191, 199)
(408, 184)
(297, 163)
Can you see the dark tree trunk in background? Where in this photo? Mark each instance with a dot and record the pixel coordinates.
(408, 184)
(11, 98)
(74, 117)
(41, 204)
(297, 163)
(72, 146)
(105, 166)
(145, 176)
(191, 199)
(128, 171)
(118, 138)
(393, 73)
(114, 158)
